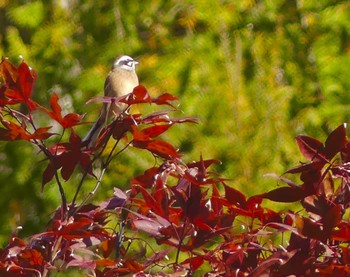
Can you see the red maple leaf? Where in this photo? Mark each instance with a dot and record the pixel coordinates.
(67, 121)
(19, 83)
(13, 131)
(67, 156)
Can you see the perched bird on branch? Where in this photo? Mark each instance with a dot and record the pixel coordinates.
(121, 80)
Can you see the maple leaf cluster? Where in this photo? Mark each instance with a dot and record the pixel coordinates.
(176, 218)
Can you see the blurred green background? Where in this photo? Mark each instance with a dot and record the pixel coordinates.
(257, 73)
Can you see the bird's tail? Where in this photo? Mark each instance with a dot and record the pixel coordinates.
(92, 136)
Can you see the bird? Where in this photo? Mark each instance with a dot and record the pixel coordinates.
(121, 80)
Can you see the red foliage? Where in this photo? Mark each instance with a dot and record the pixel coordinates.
(193, 216)
(67, 121)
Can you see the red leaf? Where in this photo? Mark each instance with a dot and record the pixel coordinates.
(3, 99)
(165, 99)
(311, 148)
(163, 149)
(67, 156)
(8, 72)
(19, 83)
(32, 256)
(147, 179)
(194, 262)
(264, 266)
(155, 131)
(108, 246)
(206, 163)
(120, 128)
(158, 147)
(306, 167)
(286, 194)
(310, 229)
(332, 218)
(343, 233)
(158, 256)
(41, 133)
(336, 141)
(68, 121)
(48, 174)
(105, 262)
(234, 196)
(138, 96)
(138, 135)
(26, 79)
(13, 131)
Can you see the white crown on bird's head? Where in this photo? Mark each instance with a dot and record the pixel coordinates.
(125, 62)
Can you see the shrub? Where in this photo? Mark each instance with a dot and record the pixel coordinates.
(176, 217)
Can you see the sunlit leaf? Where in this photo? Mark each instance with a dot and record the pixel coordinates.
(311, 148)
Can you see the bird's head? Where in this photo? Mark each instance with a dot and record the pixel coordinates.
(125, 62)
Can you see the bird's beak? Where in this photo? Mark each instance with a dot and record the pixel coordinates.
(135, 62)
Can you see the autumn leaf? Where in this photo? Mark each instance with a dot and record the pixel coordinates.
(138, 96)
(160, 148)
(19, 83)
(67, 121)
(13, 131)
(311, 148)
(66, 156)
(165, 99)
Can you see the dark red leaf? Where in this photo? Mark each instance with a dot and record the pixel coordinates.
(138, 96)
(48, 174)
(3, 99)
(311, 148)
(158, 147)
(345, 153)
(206, 163)
(121, 127)
(307, 167)
(147, 179)
(332, 218)
(336, 141)
(235, 196)
(264, 266)
(194, 262)
(149, 202)
(309, 228)
(67, 156)
(286, 194)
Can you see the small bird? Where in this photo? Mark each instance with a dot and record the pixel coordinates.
(121, 80)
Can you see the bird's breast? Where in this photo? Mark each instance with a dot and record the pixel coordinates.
(120, 82)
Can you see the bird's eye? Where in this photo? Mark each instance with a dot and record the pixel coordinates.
(126, 62)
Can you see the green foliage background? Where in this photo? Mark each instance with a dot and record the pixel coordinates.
(256, 72)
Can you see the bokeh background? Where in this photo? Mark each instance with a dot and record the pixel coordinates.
(257, 73)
